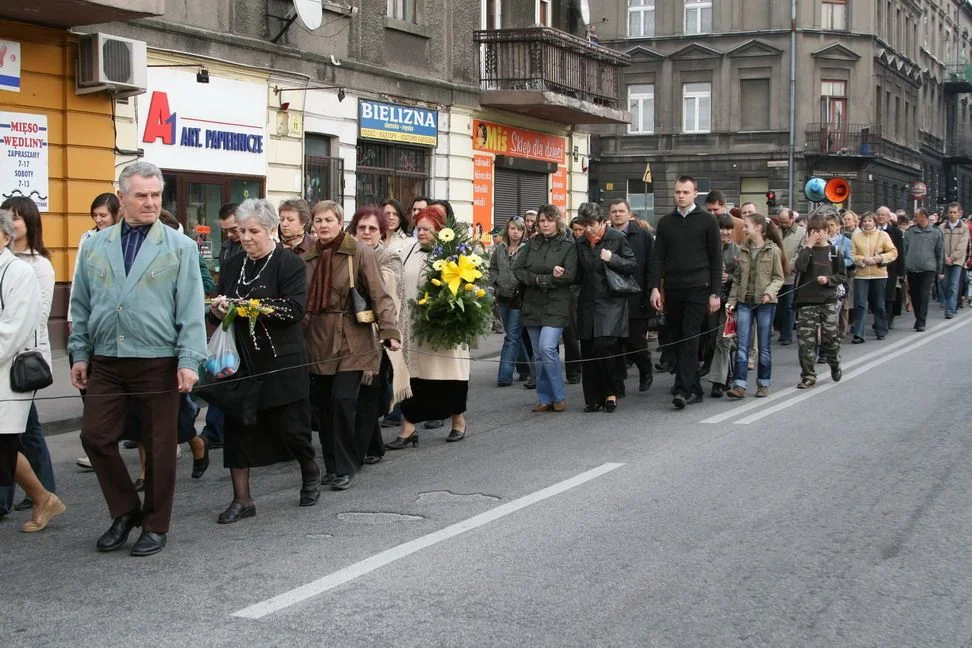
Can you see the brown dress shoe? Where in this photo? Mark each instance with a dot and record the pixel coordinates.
(560, 406)
(540, 407)
(736, 392)
(43, 513)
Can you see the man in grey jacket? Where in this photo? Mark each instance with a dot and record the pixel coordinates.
(924, 259)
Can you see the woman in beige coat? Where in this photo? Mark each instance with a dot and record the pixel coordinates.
(439, 377)
(342, 349)
(872, 250)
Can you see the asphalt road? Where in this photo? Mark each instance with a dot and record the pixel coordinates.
(833, 517)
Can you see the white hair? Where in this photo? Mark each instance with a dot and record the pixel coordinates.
(141, 169)
(260, 209)
(6, 225)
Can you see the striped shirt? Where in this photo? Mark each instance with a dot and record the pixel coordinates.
(131, 242)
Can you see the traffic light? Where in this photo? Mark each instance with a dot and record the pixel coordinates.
(770, 199)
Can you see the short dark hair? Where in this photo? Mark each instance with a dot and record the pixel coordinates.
(955, 204)
(687, 178)
(589, 213)
(168, 219)
(364, 212)
(715, 197)
(26, 209)
(726, 222)
(620, 201)
(299, 205)
(227, 210)
(425, 199)
(816, 223)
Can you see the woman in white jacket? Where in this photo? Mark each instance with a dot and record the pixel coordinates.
(28, 246)
(20, 306)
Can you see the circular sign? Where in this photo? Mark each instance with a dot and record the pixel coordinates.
(919, 190)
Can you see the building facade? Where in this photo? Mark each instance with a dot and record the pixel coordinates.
(880, 92)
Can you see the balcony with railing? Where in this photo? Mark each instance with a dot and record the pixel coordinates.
(73, 13)
(550, 74)
(958, 77)
(860, 141)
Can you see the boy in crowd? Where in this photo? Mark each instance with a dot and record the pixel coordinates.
(820, 281)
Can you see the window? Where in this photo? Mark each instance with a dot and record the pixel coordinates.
(834, 14)
(641, 18)
(642, 200)
(323, 171)
(641, 103)
(698, 16)
(696, 107)
(390, 171)
(491, 14)
(403, 10)
(833, 102)
(544, 14)
(754, 104)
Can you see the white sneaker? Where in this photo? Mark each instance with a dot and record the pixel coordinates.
(84, 462)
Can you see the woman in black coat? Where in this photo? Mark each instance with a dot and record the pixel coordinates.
(275, 352)
(602, 318)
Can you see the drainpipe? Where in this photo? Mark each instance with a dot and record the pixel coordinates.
(793, 44)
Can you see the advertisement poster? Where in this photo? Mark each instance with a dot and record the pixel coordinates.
(483, 191)
(24, 167)
(517, 142)
(558, 189)
(9, 66)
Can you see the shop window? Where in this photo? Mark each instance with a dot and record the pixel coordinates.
(698, 17)
(641, 103)
(754, 99)
(403, 10)
(641, 18)
(833, 14)
(641, 197)
(390, 171)
(323, 172)
(696, 107)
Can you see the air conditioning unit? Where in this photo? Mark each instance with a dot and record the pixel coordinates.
(111, 64)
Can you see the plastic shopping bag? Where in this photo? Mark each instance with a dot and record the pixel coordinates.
(729, 329)
(223, 359)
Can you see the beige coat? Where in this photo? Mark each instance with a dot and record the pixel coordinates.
(870, 244)
(769, 273)
(956, 242)
(423, 361)
(334, 333)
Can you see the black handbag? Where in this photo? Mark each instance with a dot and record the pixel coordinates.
(363, 313)
(29, 370)
(620, 285)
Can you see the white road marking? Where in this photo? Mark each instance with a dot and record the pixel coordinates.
(388, 556)
(810, 393)
(822, 382)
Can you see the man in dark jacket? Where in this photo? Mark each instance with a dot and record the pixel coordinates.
(687, 257)
(639, 308)
(892, 297)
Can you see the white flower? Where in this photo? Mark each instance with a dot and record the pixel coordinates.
(446, 235)
(437, 264)
(476, 260)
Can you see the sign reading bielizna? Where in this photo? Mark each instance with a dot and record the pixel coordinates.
(394, 123)
(218, 126)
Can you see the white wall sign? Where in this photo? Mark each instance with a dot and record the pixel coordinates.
(218, 126)
(9, 66)
(23, 158)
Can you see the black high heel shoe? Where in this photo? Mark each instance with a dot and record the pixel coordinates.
(199, 466)
(610, 405)
(310, 492)
(400, 443)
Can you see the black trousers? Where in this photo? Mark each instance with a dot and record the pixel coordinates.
(336, 400)
(665, 346)
(920, 287)
(636, 346)
(9, 447)
(372, 403)
(685, 310)
(572, 352)
(603, 369)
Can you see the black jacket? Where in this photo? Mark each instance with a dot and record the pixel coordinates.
(641, 242)
(687, 252)
(546, 299)
(896, 267)
(280, 336)
(599, 313)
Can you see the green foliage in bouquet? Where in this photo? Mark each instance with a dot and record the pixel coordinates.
(453, 305)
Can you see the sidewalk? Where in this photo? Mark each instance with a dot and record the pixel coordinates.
(63, 412)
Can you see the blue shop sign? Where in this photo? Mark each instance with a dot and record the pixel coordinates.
(393, 123)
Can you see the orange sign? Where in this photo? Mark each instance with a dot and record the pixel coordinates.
(558, 190)
(483, 191)
(517, 142)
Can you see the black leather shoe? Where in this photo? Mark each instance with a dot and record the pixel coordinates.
(117, 533)
(717, 390)
(199, 466)
(836, 374)
(610, 406)
(326, 479)
(433, 425)
(456, 435)
(24, 505)
(644, 384)
(679, 401)
(596, 407)
(400, 443)
(693, 399)
(310, 492)
(341, 482)
(530, 384)
(148, 544)
(129, 445)
(236, 512)
(371, 460)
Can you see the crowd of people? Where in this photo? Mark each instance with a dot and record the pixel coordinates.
(318, 313)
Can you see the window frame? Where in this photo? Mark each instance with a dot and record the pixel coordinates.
(641, 97)
(698, 7)
(398, 10)
(539, 6)
(642, 11)
(697, 96)
(828, 9)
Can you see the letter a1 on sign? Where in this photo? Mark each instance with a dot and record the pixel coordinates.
(647, 177)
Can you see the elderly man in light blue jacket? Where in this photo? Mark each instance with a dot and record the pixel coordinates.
(139, 335)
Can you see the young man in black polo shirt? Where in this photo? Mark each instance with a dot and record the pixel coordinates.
(687, 263)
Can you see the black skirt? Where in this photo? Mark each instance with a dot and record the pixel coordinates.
(281, 434)
(433, 400)
(9, 447)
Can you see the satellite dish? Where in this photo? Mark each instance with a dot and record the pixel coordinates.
(585, 9)
(310, 12)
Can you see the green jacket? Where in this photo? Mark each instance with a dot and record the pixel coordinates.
(546, 299)
(155, 311)
(768, 269)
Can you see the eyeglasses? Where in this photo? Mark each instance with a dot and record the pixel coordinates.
(368, 228)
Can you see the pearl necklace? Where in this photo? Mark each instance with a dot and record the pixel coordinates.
(243, 281)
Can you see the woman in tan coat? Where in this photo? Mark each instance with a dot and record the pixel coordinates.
(342, 349)
(872, 250)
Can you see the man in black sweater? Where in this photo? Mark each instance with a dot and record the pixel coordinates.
(687, 263)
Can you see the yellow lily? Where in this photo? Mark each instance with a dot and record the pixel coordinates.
(436, 282)
(454, 273)
(424, 300)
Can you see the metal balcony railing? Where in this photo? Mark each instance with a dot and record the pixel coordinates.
(860, 140)
(546, 59)
(959, 74)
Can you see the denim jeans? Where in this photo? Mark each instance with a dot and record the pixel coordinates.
(34, 447)
(214, 424)
(760, 315)
(511, 342)
(950, 287)
(546, 349)
(870, 292)
(785, 316)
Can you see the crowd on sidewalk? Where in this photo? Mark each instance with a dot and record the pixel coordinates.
(309, 326)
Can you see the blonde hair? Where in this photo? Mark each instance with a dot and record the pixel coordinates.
(328, 206)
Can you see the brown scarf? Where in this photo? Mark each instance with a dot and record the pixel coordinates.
(319, 290)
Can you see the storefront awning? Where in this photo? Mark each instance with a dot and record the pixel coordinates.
(74, 13)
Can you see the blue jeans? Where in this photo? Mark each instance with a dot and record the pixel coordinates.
(214, 424)
(950, 287)
(511, 342)
(34, 447)
(760, 315)
(546, 349)
(784, 313)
